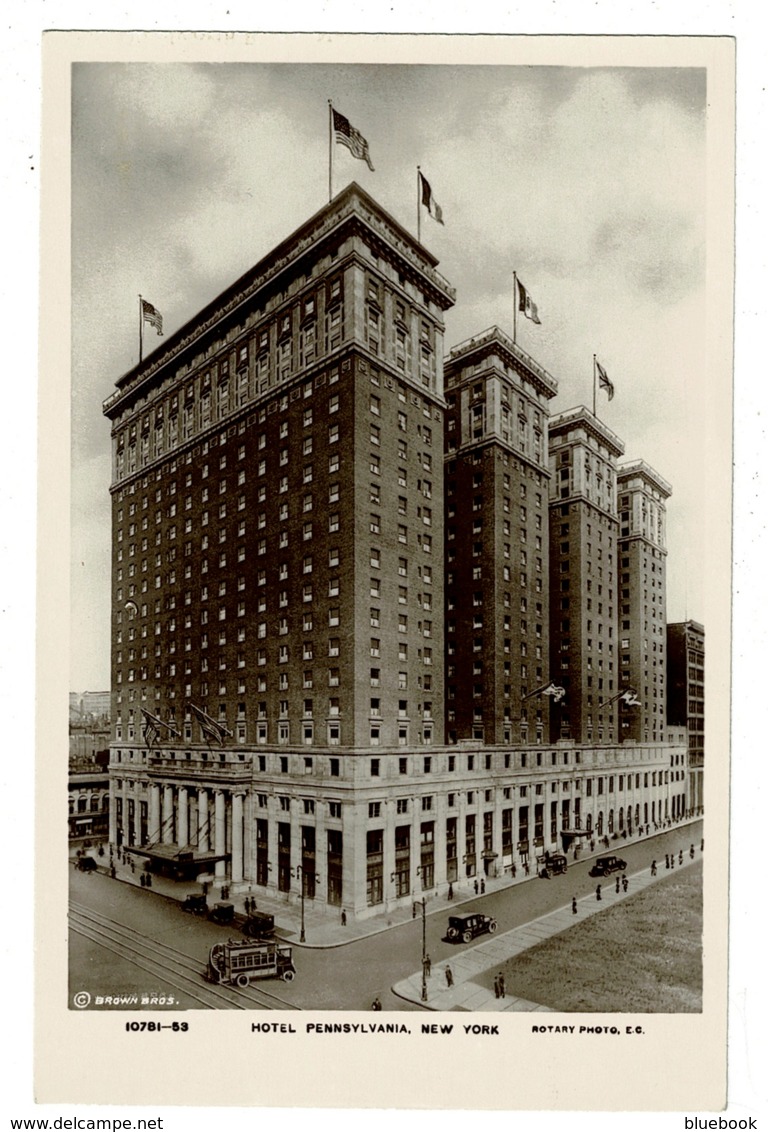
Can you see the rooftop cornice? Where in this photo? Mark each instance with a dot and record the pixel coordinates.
(641, 468)
(580, 415)
(352, 205)
(495, 339)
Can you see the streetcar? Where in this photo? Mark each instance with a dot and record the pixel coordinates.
(240, 962)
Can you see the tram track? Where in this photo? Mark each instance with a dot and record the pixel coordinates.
(176, 968)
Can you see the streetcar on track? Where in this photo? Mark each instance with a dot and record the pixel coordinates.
(241, 962)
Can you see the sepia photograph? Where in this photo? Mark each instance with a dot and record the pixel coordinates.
(399, 519)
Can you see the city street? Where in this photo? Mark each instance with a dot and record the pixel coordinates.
(139, 942)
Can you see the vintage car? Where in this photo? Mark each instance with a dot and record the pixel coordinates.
(222, 913)
(604, 866)
(552, 865)
(196, 903)
(466, 927)
(87, 864)
(259, 925)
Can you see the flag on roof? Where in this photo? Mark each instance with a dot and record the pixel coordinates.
(347, 135)
(604, 380)
(527, 305)
(428, 200)
(152, 315)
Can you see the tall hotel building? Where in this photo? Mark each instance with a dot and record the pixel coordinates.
(278, 555)
(643, 564)
(584, 535)
(281, 595)
(497, 542)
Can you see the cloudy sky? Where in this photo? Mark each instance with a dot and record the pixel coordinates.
(587, 181)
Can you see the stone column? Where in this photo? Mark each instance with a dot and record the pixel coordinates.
(112, 815)
(202, 821)
(154, 814)
(183, 818)
(237, 836)
(166, 833)
(220, 832)
(137, 816)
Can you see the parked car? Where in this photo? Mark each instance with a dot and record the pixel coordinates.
(87, 864)
(196, 903)
(552, 865)
(465, 928)
(222, 913)
(259, 925)
(604, 866)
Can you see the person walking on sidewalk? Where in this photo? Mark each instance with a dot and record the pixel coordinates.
(680, 858)
(653, 868)
(482, 887)
(618, 885)
(624, 882)
(599, 892)
(376, 1004)
(427, 966)
(496, 991)
(502, 986)
(448, 975)
(574, 909)
(450, 892)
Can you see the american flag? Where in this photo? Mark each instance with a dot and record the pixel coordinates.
(152, 315)
(527, 305)
(347, 135)
(604, 380)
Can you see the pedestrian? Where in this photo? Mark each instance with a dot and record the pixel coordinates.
(448, 975)
(701, 848)
(112, 871)
(133, 866)
(527, 869)
(573, 905)
(592, 845)
(376, 1004)
(427, 966)
(482, 887)
(502, 986)
(476, 887)
(618, 885)
(680, 858)
(599, 893)
(624, 882)
(692, 852)
(666, 860)
(653, 868)
(671, 860)
(343, 918)
(514, 870)
(450, 892)
(496, 990)
(143, 881)
(149, 880)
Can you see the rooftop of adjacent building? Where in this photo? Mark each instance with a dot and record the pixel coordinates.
(639, 469)
(494, 340)
(580, 415)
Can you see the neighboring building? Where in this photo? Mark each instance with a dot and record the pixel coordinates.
(583, 610)
(685, 698)
(88, 789)
(497, 583)
(643, 596)
(89, 706)
(278, 712)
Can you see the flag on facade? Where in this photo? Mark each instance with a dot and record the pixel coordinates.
(152, 315)
(150, 728)
(604, 380)
(428, 200)
(551, 689)
(209, 726)
(527, 305)
(347, 135)
(630, 698)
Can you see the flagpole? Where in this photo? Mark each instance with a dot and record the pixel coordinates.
(514, 306)
(141, 332)
(330, 151)
(418, 205)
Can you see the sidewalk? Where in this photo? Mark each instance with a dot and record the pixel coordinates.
(466, 994)
(322, 927)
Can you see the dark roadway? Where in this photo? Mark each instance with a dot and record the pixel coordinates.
(340, 978)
